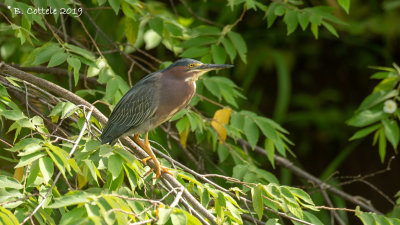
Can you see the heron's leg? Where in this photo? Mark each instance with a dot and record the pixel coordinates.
(145, 145)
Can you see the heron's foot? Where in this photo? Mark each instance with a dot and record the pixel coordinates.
(166, 170)
(159, 170)
(144, 160)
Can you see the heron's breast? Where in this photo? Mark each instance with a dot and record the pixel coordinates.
(174, 95)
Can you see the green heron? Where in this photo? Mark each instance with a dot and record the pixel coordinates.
(153, 101)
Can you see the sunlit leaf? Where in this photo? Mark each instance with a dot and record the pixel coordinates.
(221, 117)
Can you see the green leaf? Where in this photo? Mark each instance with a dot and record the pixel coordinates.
(71, 198)
(7, 49)
(173, 29)
(46, 168)
(366, 117)
(163, 215)
(13, 114)
(218, 54)
(270, 150)
(92, 169)
(229, 48)
(9, 182)
(299, 193)
(311, 218)
(314, 30)
(391, 129)
(131, 30)
(239, 44)
(195, 52)
(213, 87)
(57, 59)
(294, 208)
(330, 28)
(25, 160)
(316, 17)
(127, 10)
(272, 222)
(251, 4)
(266, 128)
(68, 109)
(271, 17)
(364, 132)
(75, 63)
(45, 52)
(221, 199)
(152, 39)
(251, 131)
(178, 219)
(382, 145)
(291, 21)
(345, 4)
(199, 41)
(304, 19)
(157, 25)
(279, 10)
(33, 175)
(115, 164)
(376, 98)
(9, 218)
(115, 5)
(111, 89)
(80, 51)
(223, 152)
(258, 205)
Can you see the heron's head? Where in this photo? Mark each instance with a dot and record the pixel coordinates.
(191, 69)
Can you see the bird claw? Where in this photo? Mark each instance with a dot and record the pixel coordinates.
(144, 161)
(165, 170)
(160, 170)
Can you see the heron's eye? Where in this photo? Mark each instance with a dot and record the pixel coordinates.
(191, 65)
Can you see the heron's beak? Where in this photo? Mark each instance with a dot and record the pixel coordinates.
(209, 67)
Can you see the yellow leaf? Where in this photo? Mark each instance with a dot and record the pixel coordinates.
(83, 179)
(221, 117)
(183, 136)
(19, 173)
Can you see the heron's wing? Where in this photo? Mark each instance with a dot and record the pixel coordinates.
(134, 108)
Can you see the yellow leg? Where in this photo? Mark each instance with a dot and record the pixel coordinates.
(145, 145)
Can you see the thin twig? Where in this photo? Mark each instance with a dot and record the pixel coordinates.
(101, 32)
(64, 30)
(130, 74)
(202, 19)
(177, 198)
(334, 214)
(90, 36)
(18, 199)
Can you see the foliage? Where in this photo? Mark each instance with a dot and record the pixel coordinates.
(378, 112)
(61, 174)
